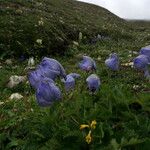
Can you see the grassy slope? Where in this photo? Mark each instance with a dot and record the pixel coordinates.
(63, 20)
(121, 111)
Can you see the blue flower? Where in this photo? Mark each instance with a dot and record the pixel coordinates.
(47, 72)
(146, 51)
(141, 62)
(112, 62)
(87, 64)
(53, 65)
(35, 77)
(74, 75)
(47, 93)
(69, 83)
(93, 82)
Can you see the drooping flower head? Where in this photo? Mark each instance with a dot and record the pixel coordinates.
(112, 62)
(69, 83)
(141, 62)
(53, 65)
(31, 62)
(47, 92)
(47, 72)
(93, 82)
(146, 51)
(35, 77)
(87, 64)
(88, 138)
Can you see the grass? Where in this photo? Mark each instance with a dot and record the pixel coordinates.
(21, 27)
(121, 111)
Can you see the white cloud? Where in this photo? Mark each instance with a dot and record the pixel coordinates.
(131, 9)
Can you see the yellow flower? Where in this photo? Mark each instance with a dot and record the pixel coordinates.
(93, 124)
(88, 138)
(84, 126)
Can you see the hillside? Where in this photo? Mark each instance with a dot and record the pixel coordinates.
(57, 23)
(114, 117)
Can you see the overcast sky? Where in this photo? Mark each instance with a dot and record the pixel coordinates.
(129, 9)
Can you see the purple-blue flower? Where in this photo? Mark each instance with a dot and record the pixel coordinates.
(93, 82)
(47, 72)
(53, 65)
(35, 77)
(47, 92)
(69, 83)
(146, 51)
(112, 62)
(87, 64)
(141, 62)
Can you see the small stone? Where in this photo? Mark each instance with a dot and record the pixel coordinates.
(15, 80)
(1, 67)
(75, 43)
(8, 61)
(16, 96)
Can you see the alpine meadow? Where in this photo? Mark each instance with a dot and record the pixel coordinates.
(73, 76)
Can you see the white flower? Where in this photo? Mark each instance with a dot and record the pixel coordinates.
(41, 22)
(31, 62)
(130, 64)
(39, 41)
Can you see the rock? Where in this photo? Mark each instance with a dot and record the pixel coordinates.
(1, 67)
(15, 80)
(8, 61)
(16, 96)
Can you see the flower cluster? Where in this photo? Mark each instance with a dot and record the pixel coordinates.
(91, 127)
(43, 81)
(142, 61)
(112, 62)
(43, 78)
